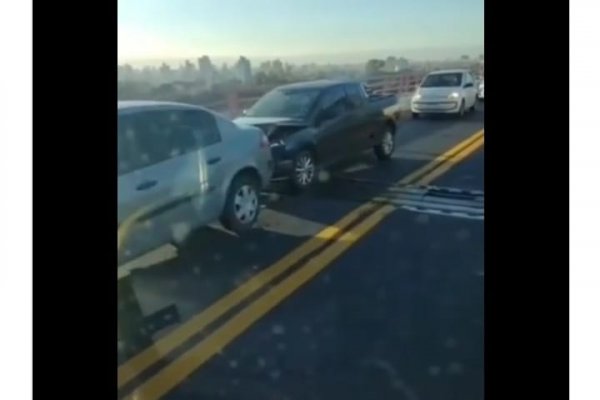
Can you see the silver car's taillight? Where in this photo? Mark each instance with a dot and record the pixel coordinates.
(264, 141)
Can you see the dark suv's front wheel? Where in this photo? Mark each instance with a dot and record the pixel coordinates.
(304, 172)
(385, 149)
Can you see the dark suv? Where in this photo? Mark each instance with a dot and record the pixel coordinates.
(315, 124)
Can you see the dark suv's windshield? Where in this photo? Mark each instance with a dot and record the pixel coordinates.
(443, 80)
(285, 103)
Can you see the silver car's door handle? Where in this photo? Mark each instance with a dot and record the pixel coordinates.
(146, 185)
(214, 160)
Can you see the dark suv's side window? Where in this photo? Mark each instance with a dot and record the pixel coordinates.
(150, 137)
(334, 102)
(355, 96)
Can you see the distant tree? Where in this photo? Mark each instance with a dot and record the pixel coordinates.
(277, 68)
(288, 70)
(164, 68)
(261, 78)
(265, 66)
(464, 57)
(374, 66)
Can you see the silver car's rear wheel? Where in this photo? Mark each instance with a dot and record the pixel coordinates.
(245, 204)
(242, 205)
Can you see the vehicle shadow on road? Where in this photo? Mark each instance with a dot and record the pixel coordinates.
(209, 264)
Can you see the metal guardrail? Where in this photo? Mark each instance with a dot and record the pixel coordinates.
(398, 84)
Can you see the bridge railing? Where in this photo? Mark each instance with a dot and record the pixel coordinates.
(399, 84)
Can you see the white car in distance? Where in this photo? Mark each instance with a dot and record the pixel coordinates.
(445, 92)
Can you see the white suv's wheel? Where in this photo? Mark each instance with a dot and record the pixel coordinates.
(461, 110)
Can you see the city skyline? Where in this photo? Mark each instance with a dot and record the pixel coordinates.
(152, 31)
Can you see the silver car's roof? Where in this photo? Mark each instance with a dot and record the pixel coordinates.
(123, 105)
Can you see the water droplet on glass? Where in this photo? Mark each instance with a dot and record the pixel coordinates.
(422, 218)
(274, 196)
(180, 231)
(455, 368)
(450, 343)
(434, 370)
(324, 176)
(275, 374)
(278, 329)
(463, 234)
(261, 363)
(233, 364)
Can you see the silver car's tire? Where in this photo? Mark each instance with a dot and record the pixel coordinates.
(242, 205)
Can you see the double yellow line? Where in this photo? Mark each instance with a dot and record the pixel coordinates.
(340, 237)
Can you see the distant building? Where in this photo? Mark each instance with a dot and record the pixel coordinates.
(206, 70)
(126, 72)
(243, 70)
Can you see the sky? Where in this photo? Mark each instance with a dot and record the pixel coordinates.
(298, 30)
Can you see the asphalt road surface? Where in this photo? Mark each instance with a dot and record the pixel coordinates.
(334, 295)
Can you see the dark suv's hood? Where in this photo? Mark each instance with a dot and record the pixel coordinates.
(262, 120)
(268, 124)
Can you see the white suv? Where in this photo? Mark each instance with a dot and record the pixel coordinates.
(445, 92)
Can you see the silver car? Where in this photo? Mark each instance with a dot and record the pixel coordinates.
(181, 167)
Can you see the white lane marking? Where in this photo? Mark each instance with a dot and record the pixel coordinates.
(153, 257)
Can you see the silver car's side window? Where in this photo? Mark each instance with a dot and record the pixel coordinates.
(150, 137)
(126, 148)
(203, 126)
